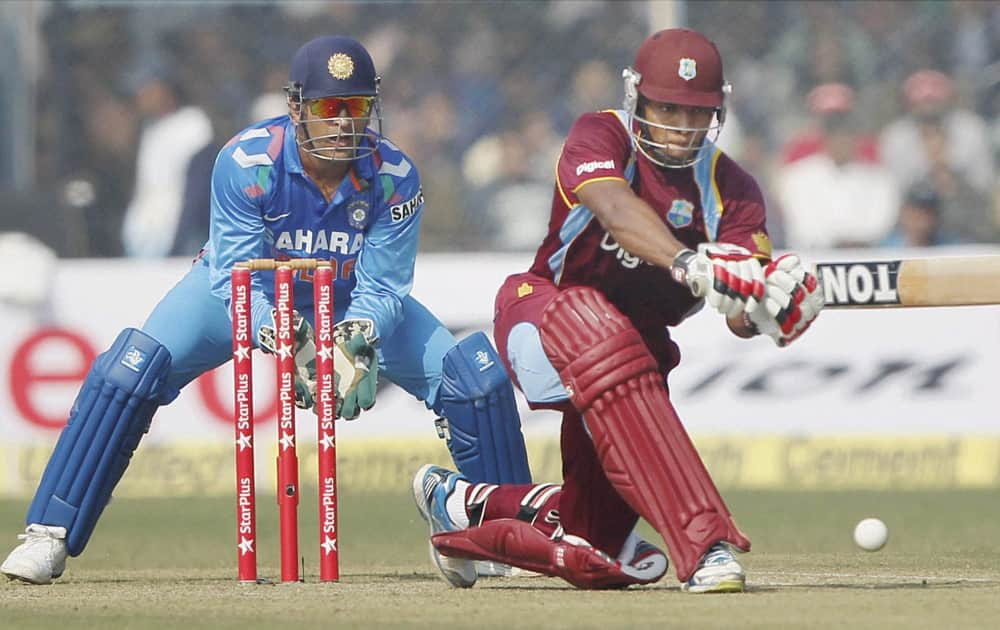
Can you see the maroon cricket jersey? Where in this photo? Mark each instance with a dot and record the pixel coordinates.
(713, 200)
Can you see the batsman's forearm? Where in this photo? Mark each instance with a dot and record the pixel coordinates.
(638, 230)
(633, 223)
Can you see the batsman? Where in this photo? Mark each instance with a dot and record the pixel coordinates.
(319, 182)
(650, 221)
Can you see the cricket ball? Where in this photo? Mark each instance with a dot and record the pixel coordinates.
(871, 534)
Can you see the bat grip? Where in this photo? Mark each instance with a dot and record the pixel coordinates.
(699, 288)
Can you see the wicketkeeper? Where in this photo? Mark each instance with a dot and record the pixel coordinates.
(319, 182)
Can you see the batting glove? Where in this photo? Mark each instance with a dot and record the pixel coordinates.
(793, 301)
(727, 276)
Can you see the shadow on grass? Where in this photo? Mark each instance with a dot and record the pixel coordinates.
(917, 585)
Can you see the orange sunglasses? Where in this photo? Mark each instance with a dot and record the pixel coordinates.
(331, 106)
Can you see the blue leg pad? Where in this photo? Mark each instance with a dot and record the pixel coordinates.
(484, 428)
(109, 417)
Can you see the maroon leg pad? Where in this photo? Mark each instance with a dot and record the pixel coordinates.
(590, 507)
(647, 455)
(517, 543)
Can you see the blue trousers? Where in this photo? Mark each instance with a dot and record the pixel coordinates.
(195, 326)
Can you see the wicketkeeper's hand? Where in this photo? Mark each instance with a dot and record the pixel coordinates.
(728, 276)
(305, 356)
(355, 366)
(793, 301)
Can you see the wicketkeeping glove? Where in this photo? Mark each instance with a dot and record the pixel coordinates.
(305, 356)
(793, 301)
(728, 276)
(355, 366)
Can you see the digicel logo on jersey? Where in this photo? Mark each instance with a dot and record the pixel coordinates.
(590, 167)
(625, 259)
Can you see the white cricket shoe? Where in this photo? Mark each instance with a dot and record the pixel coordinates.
(40, 558)
(489, 568)
(718, 572)
(432, 485)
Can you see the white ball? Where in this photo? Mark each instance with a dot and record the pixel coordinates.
(871, 534)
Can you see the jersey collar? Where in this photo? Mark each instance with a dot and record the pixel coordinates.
(293, 162)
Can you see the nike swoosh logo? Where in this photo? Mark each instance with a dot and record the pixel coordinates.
(276, 218)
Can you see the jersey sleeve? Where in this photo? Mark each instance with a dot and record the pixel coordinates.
(236, 228)
(596, 149)
(385, 264)
(744, 221)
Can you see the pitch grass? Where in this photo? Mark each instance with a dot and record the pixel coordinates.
(170, 563)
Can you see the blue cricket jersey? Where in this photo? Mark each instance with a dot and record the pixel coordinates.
(264, 206)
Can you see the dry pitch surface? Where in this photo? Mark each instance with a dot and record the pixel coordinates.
(171, 564)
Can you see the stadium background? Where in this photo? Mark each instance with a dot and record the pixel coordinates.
(479, 94)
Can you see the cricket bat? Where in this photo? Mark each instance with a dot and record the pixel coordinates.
(944, 281)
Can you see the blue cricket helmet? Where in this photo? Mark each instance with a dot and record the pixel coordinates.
(335, 66)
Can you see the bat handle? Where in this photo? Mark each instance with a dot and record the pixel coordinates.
(698, 286)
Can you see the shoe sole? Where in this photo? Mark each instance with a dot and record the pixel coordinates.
(731, 585)
(452, 578)
(13, 577)
(492, 569)
(418, 491)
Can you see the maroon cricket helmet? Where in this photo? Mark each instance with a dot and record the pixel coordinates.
(680, 66)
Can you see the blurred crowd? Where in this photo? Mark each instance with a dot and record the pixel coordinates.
(867, 123)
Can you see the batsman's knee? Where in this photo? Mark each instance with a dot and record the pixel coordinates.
(481, 423)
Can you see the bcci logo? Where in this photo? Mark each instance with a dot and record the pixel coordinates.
(357, 214)
(681, 213)
(688, 69)
(133, 359)
(483, 360)
(340, 66)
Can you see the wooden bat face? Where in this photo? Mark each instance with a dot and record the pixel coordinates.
(945, 281)
(859, 284)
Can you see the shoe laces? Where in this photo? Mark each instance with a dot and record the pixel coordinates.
(437, 492)
(718, 553)
(35, 534)
(34, 539)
